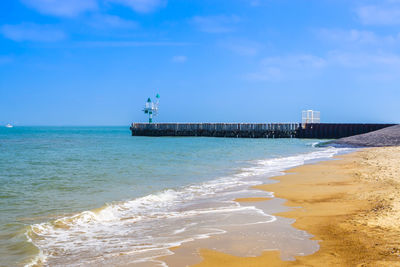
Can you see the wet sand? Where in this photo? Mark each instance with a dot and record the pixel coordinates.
(351, 205)
(252, 199)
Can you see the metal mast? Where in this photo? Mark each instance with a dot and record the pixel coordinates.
(151, 108)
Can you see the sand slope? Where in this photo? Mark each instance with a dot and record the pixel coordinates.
(351, 205)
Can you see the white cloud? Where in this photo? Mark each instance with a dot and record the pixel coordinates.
(141, 6)
(32, 32)
(72, 8)
(382, 67)
(179, 59)
(255, 2)
(349, 36)
(215, 24)
(358, 39)
(129, 43)
(360, 65)
(295, 61)
(5, 59)
(110, 21)
(379, 15)
(63, 8)
(289, 66)
(266, 74)
(241, 47)
(364, 60)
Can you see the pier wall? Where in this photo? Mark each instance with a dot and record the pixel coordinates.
(255, 130)
(337, 130)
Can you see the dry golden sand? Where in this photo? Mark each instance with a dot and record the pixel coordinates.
(351, 205)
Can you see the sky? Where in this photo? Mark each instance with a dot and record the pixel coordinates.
(95, 62)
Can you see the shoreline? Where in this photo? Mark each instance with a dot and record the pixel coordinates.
(350, 205)
(156, 222)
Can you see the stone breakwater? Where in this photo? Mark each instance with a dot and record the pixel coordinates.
(389, 136)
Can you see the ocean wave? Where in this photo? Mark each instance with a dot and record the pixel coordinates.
(145, 228)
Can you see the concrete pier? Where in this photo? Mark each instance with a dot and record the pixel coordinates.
(255, 130)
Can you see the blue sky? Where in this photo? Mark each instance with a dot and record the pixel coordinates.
(95, 62)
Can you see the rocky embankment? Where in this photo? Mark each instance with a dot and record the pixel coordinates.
(389, 136)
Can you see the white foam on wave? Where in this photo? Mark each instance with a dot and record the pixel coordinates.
(277, 165)
(148, 226)
(38, 260)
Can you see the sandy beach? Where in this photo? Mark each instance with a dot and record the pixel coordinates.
(351, 205)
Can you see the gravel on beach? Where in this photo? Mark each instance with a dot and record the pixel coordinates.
(389, 136)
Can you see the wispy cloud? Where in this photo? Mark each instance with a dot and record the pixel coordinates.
(130, 43)
(362, 65)
(379, 15)
(241, 47)
(179, 59)
(5, 59)
(62, 8)
(378, 66)
(141, 6)
(358, 39)
(215, 24)
(265, 74)
(32, 32)
(289, 66)
(295, 61)
(364, 60)
(111, 21)
(349, 36)
(257, 3)
(73, 8)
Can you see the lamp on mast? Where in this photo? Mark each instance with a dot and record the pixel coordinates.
(151, 108)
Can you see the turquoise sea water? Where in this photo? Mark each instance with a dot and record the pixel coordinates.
(67, 189)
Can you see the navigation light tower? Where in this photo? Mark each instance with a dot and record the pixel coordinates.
(151, 108)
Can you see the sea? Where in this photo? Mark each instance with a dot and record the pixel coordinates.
(96, 196)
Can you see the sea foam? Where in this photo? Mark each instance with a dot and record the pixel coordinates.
(142, 229)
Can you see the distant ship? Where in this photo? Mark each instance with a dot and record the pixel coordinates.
(9, 125)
